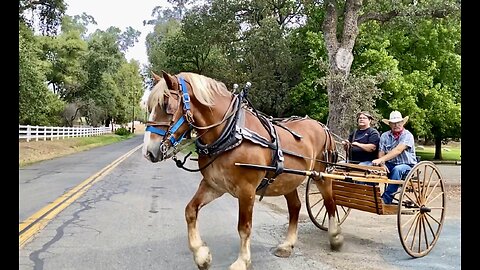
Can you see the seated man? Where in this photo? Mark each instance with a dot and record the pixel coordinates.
(396, 152)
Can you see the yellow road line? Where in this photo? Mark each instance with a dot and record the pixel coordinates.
(32, 225)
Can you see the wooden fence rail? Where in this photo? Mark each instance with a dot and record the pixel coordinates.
(29, 133)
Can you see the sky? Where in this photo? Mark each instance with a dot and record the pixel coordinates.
(120, 13)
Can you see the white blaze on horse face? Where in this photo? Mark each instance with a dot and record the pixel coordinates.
(146, 136)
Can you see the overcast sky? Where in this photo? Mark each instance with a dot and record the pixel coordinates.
(120, 13)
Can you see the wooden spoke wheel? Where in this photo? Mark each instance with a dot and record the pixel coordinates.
(421, 210)
(317, 210)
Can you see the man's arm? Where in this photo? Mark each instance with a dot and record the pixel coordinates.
(367, 147)
(382, 157)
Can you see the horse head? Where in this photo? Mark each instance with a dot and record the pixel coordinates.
(179, 104)
(170, 117)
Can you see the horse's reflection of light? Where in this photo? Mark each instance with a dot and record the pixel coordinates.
(230, 133)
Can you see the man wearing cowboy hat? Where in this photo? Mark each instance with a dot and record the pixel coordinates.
(396, 152)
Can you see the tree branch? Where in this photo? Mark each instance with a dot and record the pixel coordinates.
(350, 24)
(329, 26)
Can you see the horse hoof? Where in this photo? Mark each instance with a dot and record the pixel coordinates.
(240, 265)
(203, 258)
(283, 251)
(336, 242)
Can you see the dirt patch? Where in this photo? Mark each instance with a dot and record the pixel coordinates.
(34, 151)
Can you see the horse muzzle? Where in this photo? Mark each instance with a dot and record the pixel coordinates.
(158, 152)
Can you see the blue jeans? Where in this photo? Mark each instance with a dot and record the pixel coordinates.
(396, 173)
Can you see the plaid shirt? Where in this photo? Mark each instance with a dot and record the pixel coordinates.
(388, 142)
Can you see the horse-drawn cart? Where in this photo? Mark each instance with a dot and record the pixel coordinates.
(419, 203)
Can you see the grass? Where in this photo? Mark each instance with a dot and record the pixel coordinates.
(36, 151)
(448, 153)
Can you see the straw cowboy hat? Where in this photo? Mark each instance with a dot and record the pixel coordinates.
(395, 117)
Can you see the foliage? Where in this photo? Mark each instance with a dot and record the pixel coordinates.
(425, 80)
(271, 71)
(64, 54)
(48, 12)
(122, 131)
(37, 104)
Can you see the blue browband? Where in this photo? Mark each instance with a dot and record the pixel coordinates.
(180, 121)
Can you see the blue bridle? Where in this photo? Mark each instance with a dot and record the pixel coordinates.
(168, 134)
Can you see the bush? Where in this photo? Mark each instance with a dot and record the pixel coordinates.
(122, 131)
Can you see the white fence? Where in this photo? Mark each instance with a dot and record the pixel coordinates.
(29, 133)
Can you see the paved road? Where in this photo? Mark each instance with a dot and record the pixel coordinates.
(451, 173)
(42, 183)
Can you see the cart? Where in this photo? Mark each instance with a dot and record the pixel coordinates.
(419, 202)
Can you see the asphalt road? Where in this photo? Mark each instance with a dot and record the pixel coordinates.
(133, 218)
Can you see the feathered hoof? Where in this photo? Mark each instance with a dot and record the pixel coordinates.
(203, 258)
(336, 242)
(240, 265)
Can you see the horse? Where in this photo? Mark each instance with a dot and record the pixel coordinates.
(229, 133)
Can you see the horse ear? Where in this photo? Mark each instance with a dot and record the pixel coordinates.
(156, 78)
(170, 80)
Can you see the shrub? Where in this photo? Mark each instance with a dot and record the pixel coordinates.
(122, 131)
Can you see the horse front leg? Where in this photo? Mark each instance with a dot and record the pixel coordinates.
(201, 252)
(293, 202)
(246, 201)
(334, 231)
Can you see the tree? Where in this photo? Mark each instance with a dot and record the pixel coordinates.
(37, 104)
(430, 87)
(64, 53)
(130, 91)
(341, 28)
(48, 12)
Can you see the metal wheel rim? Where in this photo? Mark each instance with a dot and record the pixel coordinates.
(421, 211)
(316, 209)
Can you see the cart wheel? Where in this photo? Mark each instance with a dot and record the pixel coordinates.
(317, 211)
(422, 209)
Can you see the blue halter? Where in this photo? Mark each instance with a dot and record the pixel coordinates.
(172, 129)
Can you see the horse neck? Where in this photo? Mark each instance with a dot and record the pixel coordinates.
(205, 116)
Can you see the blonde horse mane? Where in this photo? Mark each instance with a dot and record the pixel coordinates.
(204, 89)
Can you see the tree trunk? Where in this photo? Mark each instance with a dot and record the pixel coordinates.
(438, 149)
(340, 59)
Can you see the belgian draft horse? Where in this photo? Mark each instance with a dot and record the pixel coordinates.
(186, 101)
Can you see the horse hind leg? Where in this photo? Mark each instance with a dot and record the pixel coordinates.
(334, 231)
(286, 248)
(201, 252)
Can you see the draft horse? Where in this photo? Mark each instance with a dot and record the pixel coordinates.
(231, 132)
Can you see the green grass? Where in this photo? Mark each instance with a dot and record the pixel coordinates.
(428, 153)
(101, 140)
